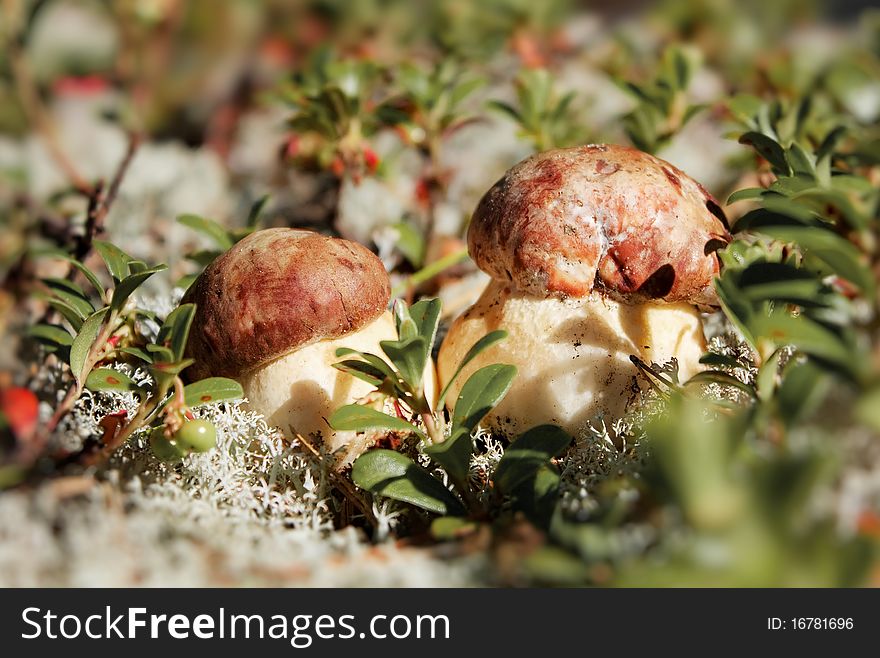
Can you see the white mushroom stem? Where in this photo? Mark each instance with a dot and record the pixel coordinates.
(299, 391)
(572, 355)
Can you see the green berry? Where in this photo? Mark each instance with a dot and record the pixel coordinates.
(197, 435)
(164, 449)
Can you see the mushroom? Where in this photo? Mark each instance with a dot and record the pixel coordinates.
(596, 253)
(271, 313)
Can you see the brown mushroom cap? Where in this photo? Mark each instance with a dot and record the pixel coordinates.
(605, 217)
(276, 291)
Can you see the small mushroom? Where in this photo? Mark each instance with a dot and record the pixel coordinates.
(596, 253)
(271, 313)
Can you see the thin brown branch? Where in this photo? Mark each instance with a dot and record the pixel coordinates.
(340, 481)
(101, 200)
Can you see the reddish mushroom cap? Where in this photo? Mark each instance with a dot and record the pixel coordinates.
(276, 291)
(603, 217)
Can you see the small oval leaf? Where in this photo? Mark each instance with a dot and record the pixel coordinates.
(212, 389)
(484, 343)
(127, 286)
(115, 259)
(357, 418)
(393, 475)
(527, 454)
(82, 344)
(209, 228)
(454, 455)
(482, 391)
(108, 379)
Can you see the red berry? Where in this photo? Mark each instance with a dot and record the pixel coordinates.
(20, 406)
(371, 160)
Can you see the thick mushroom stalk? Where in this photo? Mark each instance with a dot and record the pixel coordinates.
(271, 313)
(596, 253)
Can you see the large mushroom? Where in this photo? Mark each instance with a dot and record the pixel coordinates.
(596, 253)
(271, 313)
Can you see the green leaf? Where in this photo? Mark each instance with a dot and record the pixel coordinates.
(525, 456)
(807, 335)
(51, 334)
(836, 200)
(257, 210)
(115, 259)
(403, 322)
(108, 379)
(480, 393)
(454, 455)
(137, 352)
(203, 257)
(164, 373)
(409, 357)
(830, 142)
(448, 528)
(721, 378)
(768, 149)
(781, 282)
(715, 359)
(163, 354)
(69, 313)
(377, 362)
(212, 389)
(800, 161)
(127, 286)
(362, 370)
(136, 267)
(393, 475)
(737, 309)
(185, 282)
(207, 227)
(71, 295)
(837, 252)
(357, 418)
(63, 284)
(82, 344)
(86, 272)
(867, 408)
(804, 384)
(175, 329)
(537, 496)
(749, 193)
(406, 328)
(171, 368)
(506, 109)
(744, 107)
(410, 243)
(484, 343)
(426, 315)
(765, 382)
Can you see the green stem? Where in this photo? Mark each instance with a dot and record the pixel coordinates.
(430, 271)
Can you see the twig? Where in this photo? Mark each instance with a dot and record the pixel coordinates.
(101, 200)
(430, 271)
(651, 374)
(340, 480)
(30, 451)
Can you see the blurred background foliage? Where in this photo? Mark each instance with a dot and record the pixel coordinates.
(384, 121)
